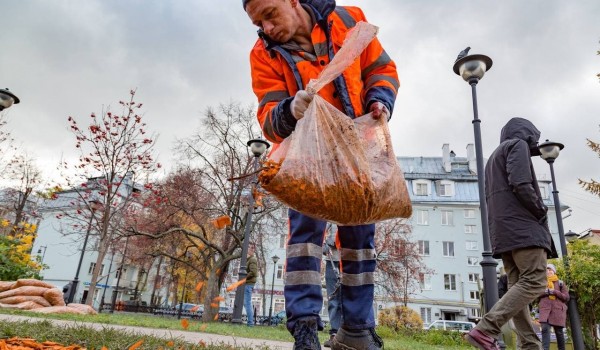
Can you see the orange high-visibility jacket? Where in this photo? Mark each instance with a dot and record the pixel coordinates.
(279, 71)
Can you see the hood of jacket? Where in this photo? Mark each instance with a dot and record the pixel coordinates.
(522, 129)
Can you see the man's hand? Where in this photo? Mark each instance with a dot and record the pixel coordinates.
(300, 104)
(379, 109)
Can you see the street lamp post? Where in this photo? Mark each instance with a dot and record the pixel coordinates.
(549, 152)
(43, 254)
(275, 259)
(258, 148)
(93, 205)
(472, 68)
(7, 99)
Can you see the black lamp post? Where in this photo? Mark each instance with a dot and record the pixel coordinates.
(7, 99)
(43, 254)
(275, 259)
(472, 68)
(258, 148)
(93, 205)
(549, 152)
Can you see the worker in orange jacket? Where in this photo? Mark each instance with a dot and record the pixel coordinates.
(297, 39)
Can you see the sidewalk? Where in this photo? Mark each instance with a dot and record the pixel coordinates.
(191, 337)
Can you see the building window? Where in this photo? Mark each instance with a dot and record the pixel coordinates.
(474, 295)
(124, 272)
(450, 282)
(424, 281)
(279, 271)
(469, 213)
(426, 314)
(473, 277)
(424, 248)
(472, 260)
(422, 189)
(448, 249)
(282, 241)
(93, 266)
(447, 218)
(422, 217)
(470, 229)
(475, 312)
(445, 188)
(472, 245)
(543, 192)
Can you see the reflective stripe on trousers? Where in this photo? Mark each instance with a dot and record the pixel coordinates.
(303, 288)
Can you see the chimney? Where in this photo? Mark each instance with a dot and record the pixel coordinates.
(471, 158)
(446, 158)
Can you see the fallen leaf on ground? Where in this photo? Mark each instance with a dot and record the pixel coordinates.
(185, 323)
(136, 345)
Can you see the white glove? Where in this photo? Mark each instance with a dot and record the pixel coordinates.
(300, 104)
(379, 110)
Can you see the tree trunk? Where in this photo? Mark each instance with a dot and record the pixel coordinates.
(212, 291)
(156, 277)
(103, 245)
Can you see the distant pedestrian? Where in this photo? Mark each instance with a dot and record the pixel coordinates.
(67, 291)
(332, 284)
(519, 234)
(553, 309)
(252, 270)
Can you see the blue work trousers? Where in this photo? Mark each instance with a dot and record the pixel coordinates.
(303, 287)
(248, 289)
(334, 295)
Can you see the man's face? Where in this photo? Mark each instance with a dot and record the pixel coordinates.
(275, 17)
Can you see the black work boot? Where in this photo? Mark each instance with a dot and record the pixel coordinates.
(364, 339)
(306, 334)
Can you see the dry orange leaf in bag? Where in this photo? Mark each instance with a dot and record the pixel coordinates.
(221, 222)
(185, 323)
(136, 345)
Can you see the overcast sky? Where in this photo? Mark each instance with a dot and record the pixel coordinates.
(70, 58)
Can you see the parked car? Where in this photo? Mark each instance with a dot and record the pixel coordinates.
(460, 326)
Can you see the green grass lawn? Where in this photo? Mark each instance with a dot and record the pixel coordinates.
(76, 334)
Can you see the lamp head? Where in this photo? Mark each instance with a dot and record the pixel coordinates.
(258, 146)
(7, 99)
(275, 259)
(571, 236)
(550, 150)
(471, 67)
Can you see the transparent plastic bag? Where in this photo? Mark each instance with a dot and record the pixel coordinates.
(336, 168)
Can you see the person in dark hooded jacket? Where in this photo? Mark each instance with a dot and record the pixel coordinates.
(519, 234)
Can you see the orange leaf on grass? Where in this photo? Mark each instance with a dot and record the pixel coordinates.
(170, 343)
(136, 345)
(185, 323)
(235, 285)
(202, 343)
(104, 348)
(203, 327)
(199, 286)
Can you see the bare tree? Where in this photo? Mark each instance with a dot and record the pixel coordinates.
(201, 190)
(114, 152)
(399, 263)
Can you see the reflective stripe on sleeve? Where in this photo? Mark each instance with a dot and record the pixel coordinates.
(274, 96)
(383, 60)
(372, 80)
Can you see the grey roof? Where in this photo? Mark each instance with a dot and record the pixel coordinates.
(466, 189)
